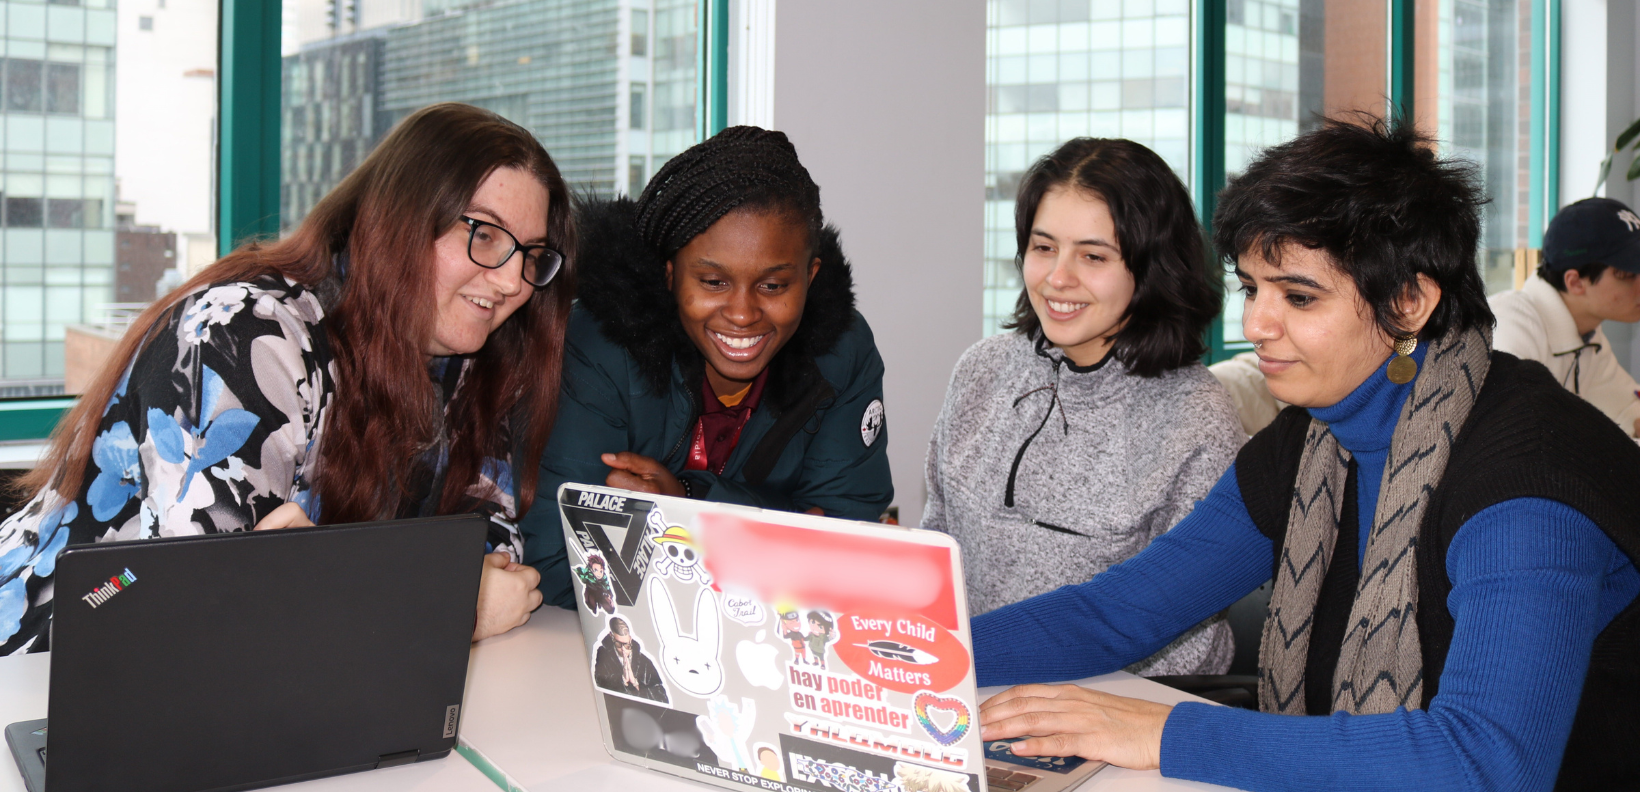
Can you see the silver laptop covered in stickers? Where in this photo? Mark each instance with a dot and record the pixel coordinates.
(758, 649)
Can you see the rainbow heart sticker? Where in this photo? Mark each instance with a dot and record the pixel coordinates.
(926, 701)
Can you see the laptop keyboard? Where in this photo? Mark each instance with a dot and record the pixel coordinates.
(1008, 780)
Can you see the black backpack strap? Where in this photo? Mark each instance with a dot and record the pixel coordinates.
(786, 426)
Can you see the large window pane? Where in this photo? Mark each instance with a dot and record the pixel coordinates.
(607, 86)
(1474, 96)
(1060, 69)
(107, 172)
(1288, 63)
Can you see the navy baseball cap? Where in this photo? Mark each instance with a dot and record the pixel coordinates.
(1593, 231)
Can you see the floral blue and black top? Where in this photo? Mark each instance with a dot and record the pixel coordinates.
(216, 423)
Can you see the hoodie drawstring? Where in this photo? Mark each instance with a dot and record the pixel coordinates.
(1053, 391)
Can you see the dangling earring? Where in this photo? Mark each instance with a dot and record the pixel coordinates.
(1401, 367)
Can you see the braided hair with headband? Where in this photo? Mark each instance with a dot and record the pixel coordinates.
(626, 245)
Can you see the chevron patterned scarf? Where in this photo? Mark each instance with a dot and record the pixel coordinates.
(1380, 665)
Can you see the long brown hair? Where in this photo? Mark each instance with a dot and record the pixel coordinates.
(386, 216)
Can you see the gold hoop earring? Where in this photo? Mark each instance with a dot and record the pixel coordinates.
(1403, 368)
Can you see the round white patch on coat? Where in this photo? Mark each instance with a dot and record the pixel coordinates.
(871, 422)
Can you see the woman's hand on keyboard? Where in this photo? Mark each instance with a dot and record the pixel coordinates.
(1066, 720)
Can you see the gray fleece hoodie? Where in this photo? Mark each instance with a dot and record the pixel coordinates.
(1116, 460)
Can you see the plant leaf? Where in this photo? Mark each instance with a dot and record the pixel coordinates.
(1605, 169)
(1634, 169)
(1628, 134)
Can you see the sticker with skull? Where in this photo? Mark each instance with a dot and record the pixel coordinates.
(679, 558)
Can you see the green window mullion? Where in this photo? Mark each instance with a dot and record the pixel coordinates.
(1207, 160)
(1536, 144)
(712, 69)
(248, 122)
(1403, 57)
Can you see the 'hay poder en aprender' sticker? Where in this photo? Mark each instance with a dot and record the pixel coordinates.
(902, 653)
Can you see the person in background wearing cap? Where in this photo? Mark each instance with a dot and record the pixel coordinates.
(715, 352)
(1591, 254)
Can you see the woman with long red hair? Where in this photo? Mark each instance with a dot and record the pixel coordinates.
(388, 359)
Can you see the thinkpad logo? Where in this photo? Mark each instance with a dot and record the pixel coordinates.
(115, 585)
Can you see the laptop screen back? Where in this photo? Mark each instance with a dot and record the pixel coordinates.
(242, 659)
(761, 649)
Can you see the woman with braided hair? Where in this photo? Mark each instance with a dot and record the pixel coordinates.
(715, 352)
(1453, 534)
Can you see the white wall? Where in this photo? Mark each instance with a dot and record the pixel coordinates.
(1600, 97)
(885, 102)
(165, 111)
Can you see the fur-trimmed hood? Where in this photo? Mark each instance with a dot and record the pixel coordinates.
(622, 285)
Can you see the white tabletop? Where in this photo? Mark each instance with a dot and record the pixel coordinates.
(23, 697)
(529, 713)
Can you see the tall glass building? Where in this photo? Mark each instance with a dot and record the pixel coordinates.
(608, 86)
(57, 196)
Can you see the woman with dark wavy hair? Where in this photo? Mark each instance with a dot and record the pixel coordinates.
(1453, 534)
(1068, 445)
(390, 358)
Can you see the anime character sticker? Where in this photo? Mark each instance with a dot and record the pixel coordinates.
(791, 629)
(678, 558)
(822, 630)
(596, 591)
(620, 666)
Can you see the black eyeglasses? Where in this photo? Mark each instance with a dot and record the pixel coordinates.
(490, 246)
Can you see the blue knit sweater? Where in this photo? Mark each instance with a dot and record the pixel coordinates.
(1533, 582)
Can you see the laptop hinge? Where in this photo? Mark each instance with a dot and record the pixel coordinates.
(400, 758)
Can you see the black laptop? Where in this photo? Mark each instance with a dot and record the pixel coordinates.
(244, 660)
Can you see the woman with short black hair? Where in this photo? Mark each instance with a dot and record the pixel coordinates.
(1069, 444)
(1453, 535)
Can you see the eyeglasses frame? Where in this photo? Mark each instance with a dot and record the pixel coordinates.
(472, 230)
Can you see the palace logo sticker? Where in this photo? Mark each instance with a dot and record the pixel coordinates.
(602, 521)
(906, 654)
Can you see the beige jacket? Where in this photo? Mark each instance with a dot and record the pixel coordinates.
(1255, 407)
(1534, 324)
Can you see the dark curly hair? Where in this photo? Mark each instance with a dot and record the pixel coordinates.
(1175, 294)
(1373, 196)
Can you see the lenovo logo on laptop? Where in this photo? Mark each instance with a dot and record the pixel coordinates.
(115, 585)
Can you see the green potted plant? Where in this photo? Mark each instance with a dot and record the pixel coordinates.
(1624, 139)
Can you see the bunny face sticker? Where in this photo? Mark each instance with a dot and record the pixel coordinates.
(690, 661)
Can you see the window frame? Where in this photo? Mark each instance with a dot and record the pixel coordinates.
(1207, 150)
(249, 126)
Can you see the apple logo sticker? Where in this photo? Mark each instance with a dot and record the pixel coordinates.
(757, 662)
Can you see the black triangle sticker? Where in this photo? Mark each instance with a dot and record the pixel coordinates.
(591, 522)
